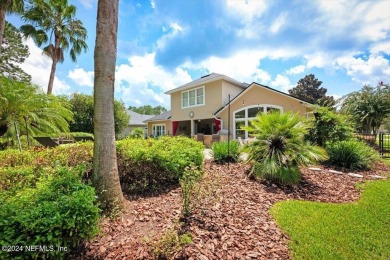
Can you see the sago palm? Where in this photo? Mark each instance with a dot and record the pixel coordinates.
(280, 147)
(53, 22)
(24, 106)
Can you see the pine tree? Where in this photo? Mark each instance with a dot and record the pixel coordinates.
(309, 89)
(14, 52)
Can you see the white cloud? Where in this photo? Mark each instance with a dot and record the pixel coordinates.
(246, 10)
(282, 82)
(142, 81)
(279, 22)
(39, 67)
(370, 71)
(335, 96)
(81, 77)
(242, 66)
(176, 29)
(153, 4)
(296, 70)
(380, 47)
(88, 4)
(366, 20)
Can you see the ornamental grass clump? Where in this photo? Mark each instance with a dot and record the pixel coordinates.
(280, 147)
(352, 154)
(224, 152)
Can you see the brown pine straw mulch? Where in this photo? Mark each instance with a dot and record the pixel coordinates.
(236, 224)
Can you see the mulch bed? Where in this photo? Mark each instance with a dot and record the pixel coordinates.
(236, 224)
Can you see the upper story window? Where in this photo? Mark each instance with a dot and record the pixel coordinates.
(193, 97)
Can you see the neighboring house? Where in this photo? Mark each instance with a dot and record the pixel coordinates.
(136, 121)
(160, 124)
(202, 106)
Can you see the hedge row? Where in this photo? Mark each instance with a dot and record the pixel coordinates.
(43, 200)
(151, 164)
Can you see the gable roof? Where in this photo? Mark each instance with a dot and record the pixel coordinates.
(137, 119)
(253, 84)
(206, 79)
(161, 117)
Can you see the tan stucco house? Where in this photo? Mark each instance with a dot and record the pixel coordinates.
(136, 121)
(202, 106)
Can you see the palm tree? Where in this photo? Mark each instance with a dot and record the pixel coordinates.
(12, 6)
(280, 147)
(105, 176)
(23, 105)
(53, 22)
(368, 107)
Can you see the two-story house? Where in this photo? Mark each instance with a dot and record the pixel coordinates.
(203, 105)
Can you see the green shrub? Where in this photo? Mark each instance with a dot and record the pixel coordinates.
(151, 164)
(354, 155)
(170, 243)
(137, 133)
(220, 151)
(59, 210)
(188, 183)
(280, 147)
(13, 180)
(329, 126)
(64, 155)
(71, 134)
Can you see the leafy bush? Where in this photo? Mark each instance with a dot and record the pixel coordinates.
(280, 147)
(188, 183)
(220, 151)
(57, 210)
(71, 135)
(354, 155)
(137, 133)
(150, 164)
(329, 126)
(170, 243)
(64, 155)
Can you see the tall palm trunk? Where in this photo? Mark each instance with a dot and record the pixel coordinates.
(105, 170)
(2, 23)
(53, 66)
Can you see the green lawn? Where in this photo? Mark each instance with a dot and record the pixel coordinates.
(386, 141)
(358, 230)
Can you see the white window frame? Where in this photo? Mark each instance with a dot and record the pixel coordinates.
(163, 126)
(246, 119)
(196, 97)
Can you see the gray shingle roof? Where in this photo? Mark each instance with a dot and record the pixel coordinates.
(205, 79)
(137, 119)
(163, 116)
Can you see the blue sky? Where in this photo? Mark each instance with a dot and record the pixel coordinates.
(163, 44)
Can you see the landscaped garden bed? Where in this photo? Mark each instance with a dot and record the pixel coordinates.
(234, 223)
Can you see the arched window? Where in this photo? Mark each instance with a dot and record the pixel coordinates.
(242, 117)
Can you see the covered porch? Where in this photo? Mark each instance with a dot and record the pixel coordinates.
(199, 129)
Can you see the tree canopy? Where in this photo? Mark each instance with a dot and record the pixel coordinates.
(368, 107)
(10, 6)
(82, 107)
(309, 89)
(53, 23)
(13, 52)
(148, 110)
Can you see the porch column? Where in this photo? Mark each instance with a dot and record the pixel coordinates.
(192, 128)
